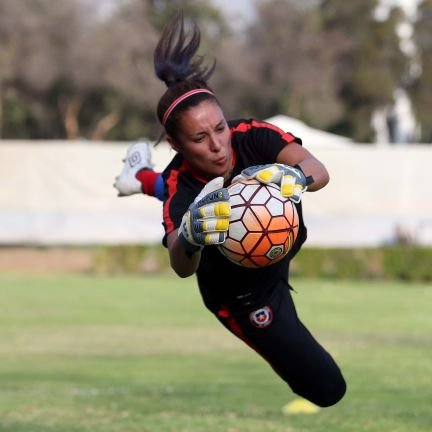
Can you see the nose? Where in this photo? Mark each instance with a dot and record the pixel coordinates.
(215, 144)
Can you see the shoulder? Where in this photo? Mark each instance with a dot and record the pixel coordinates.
(174, 172)
(171, 175)
(180, 184)
(181, 188)
(174, 165)
(250, 128)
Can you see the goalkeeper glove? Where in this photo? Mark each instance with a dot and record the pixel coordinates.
(292, 181)
(207, 220)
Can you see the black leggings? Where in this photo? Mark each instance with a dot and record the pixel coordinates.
(273, 329)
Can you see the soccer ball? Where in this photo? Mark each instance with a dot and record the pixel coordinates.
(263, 224)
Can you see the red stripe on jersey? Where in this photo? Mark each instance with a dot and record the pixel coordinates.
(244, 127)
(171, 184)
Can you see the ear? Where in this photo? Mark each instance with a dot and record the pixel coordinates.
(173, 144)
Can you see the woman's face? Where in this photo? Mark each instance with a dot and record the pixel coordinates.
(204, 140)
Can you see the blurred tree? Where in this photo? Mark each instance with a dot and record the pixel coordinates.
(71, 69)
(421, 89)
(369, 64)
(68, 70)
(109, 73)
(293, 63)
(235, 79)
(210, 19)
(33, 37)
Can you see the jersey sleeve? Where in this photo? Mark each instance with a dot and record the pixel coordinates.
(261, 140)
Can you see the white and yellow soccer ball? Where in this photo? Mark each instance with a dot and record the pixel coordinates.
(263, 224)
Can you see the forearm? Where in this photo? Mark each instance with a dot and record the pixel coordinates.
(294, 154)
(315, 172)
(183, 263)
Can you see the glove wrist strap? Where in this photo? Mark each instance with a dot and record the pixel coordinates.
(309, 179)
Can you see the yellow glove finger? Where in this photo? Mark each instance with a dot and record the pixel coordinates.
(222, 208)
(298, 192)
(287, 186)
(211, 225)
(271, 174)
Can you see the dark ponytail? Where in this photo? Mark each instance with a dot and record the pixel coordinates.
(174, 55)
(177, 65)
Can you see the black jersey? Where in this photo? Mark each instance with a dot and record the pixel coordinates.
(220, 280)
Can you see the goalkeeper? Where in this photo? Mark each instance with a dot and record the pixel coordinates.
(254, 304)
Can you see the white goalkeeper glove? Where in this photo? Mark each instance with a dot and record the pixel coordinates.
(292, 181)
(207, 220)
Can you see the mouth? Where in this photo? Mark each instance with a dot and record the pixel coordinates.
(221, 161)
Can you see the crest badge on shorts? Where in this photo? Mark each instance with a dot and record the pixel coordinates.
(261, 317)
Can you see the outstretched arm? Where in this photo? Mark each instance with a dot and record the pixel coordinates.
(183, 262)
(315, 172)
(295, 171)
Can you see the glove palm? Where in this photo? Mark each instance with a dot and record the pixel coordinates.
(291, 180)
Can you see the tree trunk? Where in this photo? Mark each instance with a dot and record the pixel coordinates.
(104, 125)
(70, 108)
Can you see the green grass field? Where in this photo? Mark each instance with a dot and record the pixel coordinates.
(142, 354)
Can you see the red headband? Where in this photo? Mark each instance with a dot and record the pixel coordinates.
(180, 99)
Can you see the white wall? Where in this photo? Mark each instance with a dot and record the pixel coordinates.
(62, 193)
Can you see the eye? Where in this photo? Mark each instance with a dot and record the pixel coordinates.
(199, 139)
(220, 128)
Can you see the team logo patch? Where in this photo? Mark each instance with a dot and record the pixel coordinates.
(275, 252)
(261, 317)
